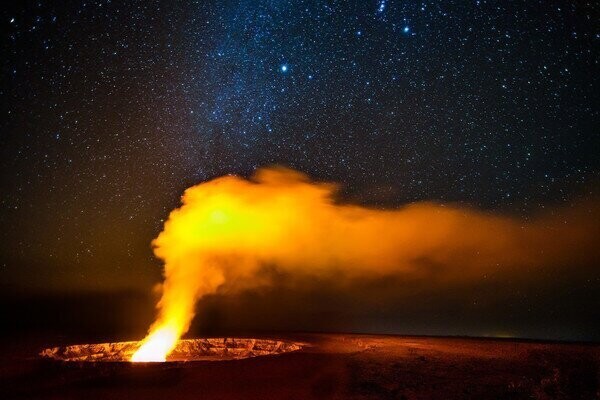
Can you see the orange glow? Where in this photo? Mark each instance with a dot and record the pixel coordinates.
(157, 345)
(229, 229)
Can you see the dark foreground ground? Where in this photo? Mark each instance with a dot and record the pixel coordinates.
(332, 366)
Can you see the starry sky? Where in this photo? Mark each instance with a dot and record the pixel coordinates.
(111, 109)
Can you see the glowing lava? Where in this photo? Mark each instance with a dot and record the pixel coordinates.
(156, 346)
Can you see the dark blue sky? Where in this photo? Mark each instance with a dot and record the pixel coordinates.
(112, 109)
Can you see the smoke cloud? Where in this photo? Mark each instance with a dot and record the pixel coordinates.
(230, 232)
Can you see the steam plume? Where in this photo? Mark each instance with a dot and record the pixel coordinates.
(228, 229)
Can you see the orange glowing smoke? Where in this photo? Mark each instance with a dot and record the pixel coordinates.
(228, 229)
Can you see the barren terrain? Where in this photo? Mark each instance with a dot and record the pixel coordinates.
(328, 366)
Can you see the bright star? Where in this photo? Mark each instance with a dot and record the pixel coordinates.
(284, 68)
(406, 29)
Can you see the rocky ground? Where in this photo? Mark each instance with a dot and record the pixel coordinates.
(330, 366)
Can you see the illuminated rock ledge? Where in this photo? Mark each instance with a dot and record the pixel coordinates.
(212, 349)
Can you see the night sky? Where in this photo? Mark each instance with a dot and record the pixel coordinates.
(111, 109)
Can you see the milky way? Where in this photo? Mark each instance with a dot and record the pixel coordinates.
(111, 110)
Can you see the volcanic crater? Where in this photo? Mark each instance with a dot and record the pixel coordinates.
(208, 349)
